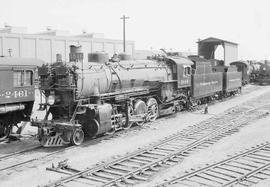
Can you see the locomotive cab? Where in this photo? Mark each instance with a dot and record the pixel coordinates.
(182, 70)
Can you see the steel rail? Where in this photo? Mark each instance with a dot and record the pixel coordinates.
(172, 155)
(198, 141)
(60, 150)
(211, 167)
(92, 141)
(7, 156)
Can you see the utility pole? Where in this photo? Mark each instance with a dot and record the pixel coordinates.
(124, 31)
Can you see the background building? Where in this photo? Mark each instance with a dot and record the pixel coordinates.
(15, 42)
(207, 48)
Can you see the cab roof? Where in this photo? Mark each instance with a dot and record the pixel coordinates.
(179, 60)
(240, 62)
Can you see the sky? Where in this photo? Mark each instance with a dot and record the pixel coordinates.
(152, 24)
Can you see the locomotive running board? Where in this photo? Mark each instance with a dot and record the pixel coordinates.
(122, 95)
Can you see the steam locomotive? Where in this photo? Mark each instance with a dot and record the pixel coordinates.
(103, 96)
(263, 74)
(255, 72)
(16, 91)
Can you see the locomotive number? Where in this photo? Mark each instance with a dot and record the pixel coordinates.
(16, 94)
(185, 81)
(20, 93)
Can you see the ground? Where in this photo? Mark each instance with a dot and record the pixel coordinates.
(35, 173)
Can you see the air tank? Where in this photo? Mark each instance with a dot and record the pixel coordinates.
(98, 57)
(124, 56)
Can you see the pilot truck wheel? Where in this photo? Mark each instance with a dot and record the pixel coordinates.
(77, 137)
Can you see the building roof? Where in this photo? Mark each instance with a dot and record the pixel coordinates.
(10, 61)
(215, 40)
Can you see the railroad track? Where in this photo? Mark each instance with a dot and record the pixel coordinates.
(6, 156)
(15, 156)
(141, 165)
(244, 169)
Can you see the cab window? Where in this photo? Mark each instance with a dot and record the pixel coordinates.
(28, 78)
(187, 71)
(17, 78)
(22, 78)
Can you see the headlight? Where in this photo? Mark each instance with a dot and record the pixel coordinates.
(51, 100)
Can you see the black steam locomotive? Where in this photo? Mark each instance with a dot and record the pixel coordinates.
(17, 92)
(263, 73)
(102, 96)
(255, 72)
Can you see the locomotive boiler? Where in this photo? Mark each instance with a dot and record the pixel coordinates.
(100, 78)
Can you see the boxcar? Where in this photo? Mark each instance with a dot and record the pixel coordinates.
(17, 91)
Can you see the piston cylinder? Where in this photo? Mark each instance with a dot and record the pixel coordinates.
(99, 120)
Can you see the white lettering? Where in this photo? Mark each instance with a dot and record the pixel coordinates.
(234, 80)
(16, 94)
(208, 83)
